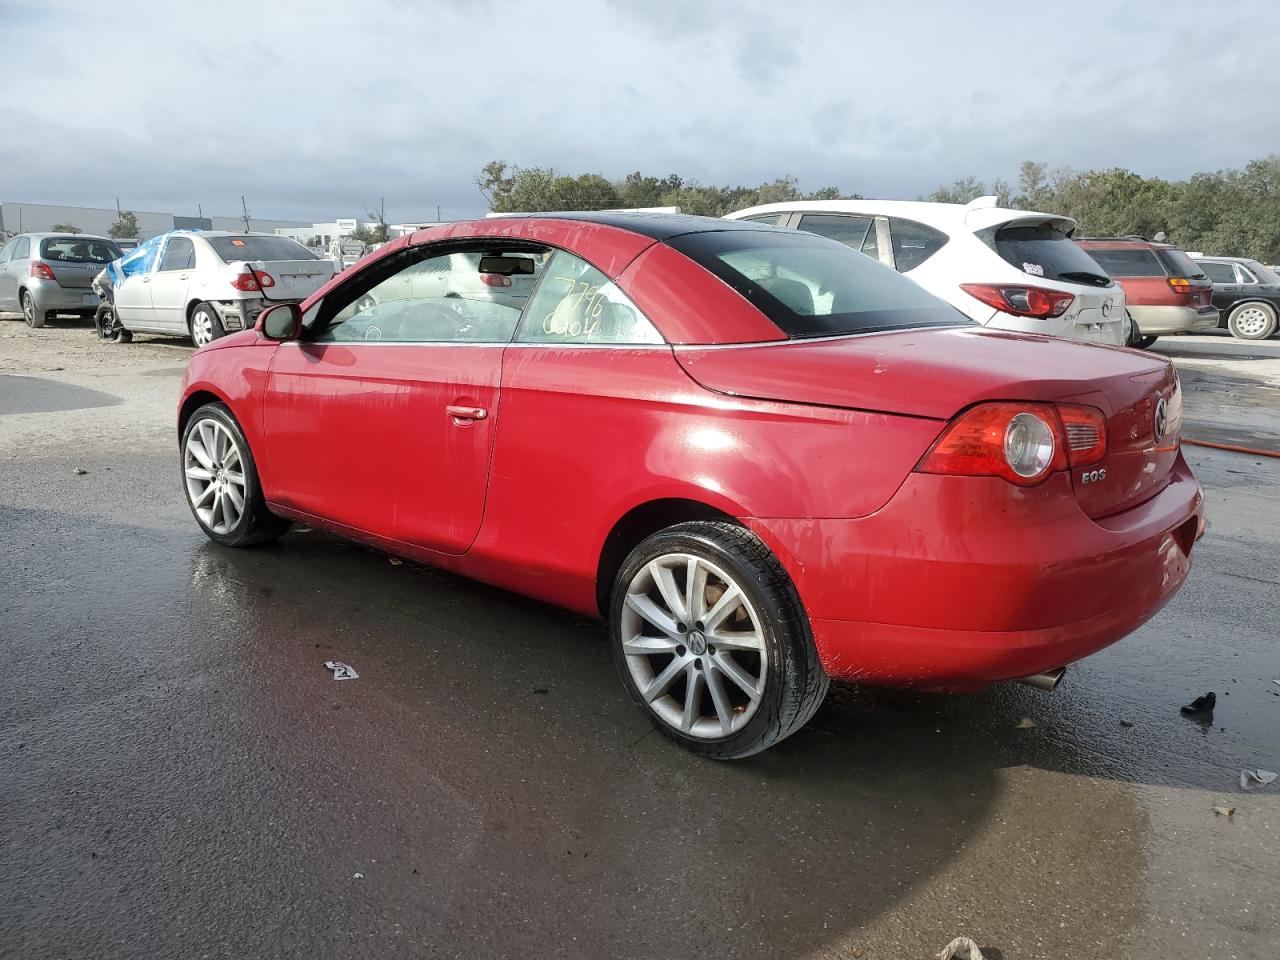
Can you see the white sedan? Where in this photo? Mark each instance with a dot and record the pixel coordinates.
(203, 284)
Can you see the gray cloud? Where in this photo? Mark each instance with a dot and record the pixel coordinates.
(317, 110)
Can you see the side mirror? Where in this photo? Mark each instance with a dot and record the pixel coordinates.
(283, 321)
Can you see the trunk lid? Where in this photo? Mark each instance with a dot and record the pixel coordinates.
(939, 372)
(74, 276)
(294, 279)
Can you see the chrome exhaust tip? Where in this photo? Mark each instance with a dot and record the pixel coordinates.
(1047, 681)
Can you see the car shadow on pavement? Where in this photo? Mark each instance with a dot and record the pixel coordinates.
(484, 786)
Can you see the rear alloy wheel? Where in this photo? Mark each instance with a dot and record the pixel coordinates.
(206, 326)
(712, 642)
(33, 317)
(221, 481)
(108, 325)
(1252, 321)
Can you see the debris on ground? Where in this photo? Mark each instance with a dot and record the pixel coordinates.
(1224, 811)
(1026, 723)
(341, 671)
(394, 561)
(1201, 706)
(541, 690)
(961, 948)
(357, 876)
(80, 471)
(1253, 779)
(1126, 723)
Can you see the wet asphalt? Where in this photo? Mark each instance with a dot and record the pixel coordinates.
(180, 776)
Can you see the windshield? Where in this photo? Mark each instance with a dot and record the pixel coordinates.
(1045, 251)
(231, 249)
(73, 250)
(813, 287)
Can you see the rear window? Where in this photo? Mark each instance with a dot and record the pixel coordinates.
(1045, 251)
(1133, 262)
(1179, 264)
(1264, 273)
(1219, 272)
(71, 250)
(231, 249)
(813, 287)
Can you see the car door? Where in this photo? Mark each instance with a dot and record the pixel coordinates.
(17, 267)
(170, 282)
(381, 418)
(1226, 287)
(8, 283)
(133, 274)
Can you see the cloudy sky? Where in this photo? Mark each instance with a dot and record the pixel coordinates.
(315, 110)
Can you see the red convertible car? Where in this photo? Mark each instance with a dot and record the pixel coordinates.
(767, 460)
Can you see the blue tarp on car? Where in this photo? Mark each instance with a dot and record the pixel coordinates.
(140, 259)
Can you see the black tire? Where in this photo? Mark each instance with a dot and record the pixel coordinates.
(1243, 323)
(34, 318)
(255, 524)
(205, 318)
(108, 326)
(795, 683)
(1142, 343)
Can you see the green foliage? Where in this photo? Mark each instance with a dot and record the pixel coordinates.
(126, 225)
(1227, 213)
(65, 228)
(511, 189)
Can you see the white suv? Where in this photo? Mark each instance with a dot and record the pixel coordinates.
(1007, 269)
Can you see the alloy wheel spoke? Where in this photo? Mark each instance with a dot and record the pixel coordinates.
(692, 697)
(197, 472)
(648, 646)
(236, 497)
(663, 681)
(730, 668)
(729, 601)
(737, 640)
(724, 709)
(204, 496)
(666, 584)
(234, 478)
(651, 612)
(197, 449)
(695, 599)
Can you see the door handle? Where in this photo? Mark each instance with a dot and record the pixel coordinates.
(146, 279)
(466, 413)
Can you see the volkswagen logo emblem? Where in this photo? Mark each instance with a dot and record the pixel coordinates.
(1160, 422)
(1106, 308)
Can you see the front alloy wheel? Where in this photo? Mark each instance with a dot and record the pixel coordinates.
(712, 642)
(221, 481)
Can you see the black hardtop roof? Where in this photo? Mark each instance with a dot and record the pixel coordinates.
(656, 226)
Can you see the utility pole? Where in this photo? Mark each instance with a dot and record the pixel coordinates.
(245, 217)
(437, 213)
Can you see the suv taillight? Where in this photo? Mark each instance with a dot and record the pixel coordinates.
(1021, 300)
(495, 280)
(1020, 442)
(42, 271)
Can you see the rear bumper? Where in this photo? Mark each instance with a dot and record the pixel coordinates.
(1110, 332)
(1162, 320)
(51, 296)
(961, 582)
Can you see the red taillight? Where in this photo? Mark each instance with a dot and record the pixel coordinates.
(1086, 433)
(1020, 300)
(252, 280)
(1020, 442)
(42, 271)
(495, 280)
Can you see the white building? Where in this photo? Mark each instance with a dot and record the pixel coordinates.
(323, 234)
(35, 217)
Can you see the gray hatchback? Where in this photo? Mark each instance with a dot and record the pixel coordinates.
(42, 274)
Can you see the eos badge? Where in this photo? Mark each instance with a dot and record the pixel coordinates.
(1106, 308)
(1093, 476)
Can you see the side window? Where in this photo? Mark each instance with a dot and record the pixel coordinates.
(434, 299)
(914, 243)
(179, 254)
(1245, 276)
(769, 218)
(22, 248)
(850, 230)
(7, 249)
(576, 303)
(1219, 272)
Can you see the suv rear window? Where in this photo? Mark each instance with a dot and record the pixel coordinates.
(1179, 264)
(71, 250)
(1131, 262)
(231, 249)
(813, 287)
(1046, 251)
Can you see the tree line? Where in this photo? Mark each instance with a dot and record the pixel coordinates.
(1224, 213)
